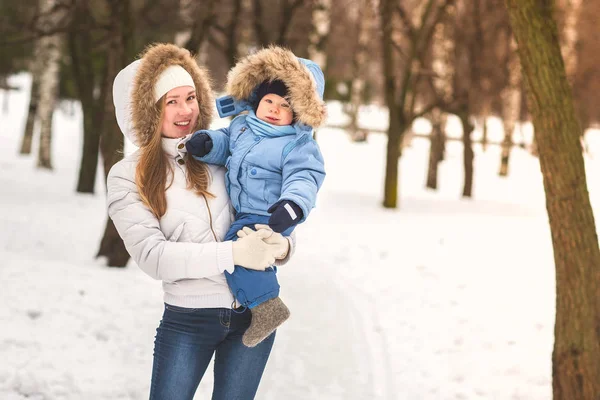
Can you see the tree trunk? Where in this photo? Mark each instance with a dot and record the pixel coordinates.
(576, 355)
(6, 97)
(112, 247)
(321, 16)
(395, 127)
(510, 99)
(484, 130)
(200, 27)
(395, 131)
(468, 154)
(48, 89)
(570, 35)
(91, 146)
(320, 31)
(364, 18)
(436, 149)
(112, 142)
(36, 70)
(80, 49)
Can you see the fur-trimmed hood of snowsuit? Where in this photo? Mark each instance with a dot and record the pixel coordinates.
(137, 113)
(304, 80)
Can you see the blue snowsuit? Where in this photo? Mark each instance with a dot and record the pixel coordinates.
(265, 163)
(263, 168)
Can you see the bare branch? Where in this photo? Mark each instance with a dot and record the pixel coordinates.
(406, 20)
(259, 29)
(441, 11)
(399, 49)
(200, 28)
(427, 109)
(287, 15)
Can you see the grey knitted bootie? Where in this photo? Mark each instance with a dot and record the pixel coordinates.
(266, 317)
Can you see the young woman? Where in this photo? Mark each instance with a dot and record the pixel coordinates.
(172, 212)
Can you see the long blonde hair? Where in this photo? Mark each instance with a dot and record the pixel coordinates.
(154, 174)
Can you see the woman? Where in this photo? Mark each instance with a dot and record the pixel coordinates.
(172, 212)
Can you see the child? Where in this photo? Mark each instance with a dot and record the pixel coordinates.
(274, 166)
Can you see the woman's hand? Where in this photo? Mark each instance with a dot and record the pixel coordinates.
(280, 243)
(252, 251)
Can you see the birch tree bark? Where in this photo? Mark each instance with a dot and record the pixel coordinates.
(575, 365)
(50, 53)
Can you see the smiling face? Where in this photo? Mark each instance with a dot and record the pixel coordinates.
(275, 110)
(181, 112)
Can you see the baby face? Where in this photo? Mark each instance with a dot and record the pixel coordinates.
(275, 110)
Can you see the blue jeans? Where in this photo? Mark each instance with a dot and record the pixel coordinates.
(187, 338)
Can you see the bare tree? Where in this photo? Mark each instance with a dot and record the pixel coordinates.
(575, 366)
(321, 15)
(437, 147)
(202, 16)
(228, 33)
(111, 141)
(86, 76)
(405, 47)
(510, 101)
(273, 20)
(572, 10)
(50, 53)
(443, 72)
(365, 19)
(35, 70)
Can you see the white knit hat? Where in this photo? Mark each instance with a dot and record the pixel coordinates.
(172, 77)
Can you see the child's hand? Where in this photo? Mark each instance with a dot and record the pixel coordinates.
(284, 214)
(199, 145)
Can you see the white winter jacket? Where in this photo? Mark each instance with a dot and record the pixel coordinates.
(184, 248)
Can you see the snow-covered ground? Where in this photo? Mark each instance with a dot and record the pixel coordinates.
(444, 298)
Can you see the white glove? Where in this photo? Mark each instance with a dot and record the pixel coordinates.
(252, 252)
(281, 244)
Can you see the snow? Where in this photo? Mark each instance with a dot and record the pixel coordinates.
(444, 298)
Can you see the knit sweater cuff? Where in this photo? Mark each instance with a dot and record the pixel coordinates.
(292, 240)
(225, 256)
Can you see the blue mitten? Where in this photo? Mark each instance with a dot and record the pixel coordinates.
(284, 214)
(199, 145)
